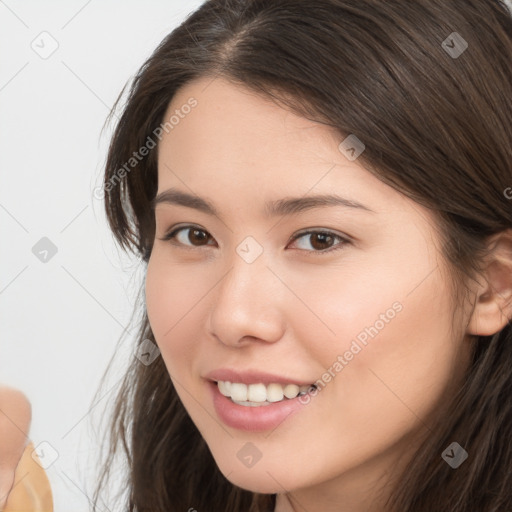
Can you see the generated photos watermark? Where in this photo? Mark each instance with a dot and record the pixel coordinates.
(145, 149)
(355, 348)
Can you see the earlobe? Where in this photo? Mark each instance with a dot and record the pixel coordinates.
(493, 305)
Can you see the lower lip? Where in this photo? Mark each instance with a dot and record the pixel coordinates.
(253, 419)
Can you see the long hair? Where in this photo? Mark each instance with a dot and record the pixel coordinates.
(427, 86)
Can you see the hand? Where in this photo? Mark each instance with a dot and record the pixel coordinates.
(15, 418)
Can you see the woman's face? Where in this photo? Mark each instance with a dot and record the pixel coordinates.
(361, 306)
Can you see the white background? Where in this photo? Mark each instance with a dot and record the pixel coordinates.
(61, 320)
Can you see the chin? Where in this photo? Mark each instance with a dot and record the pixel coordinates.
(263, 485)
(257, 480)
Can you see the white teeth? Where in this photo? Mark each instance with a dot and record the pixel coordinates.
(224, 387)
(253, 395)
(291, 390)
(238, 391)
(257, 393)
(274, 392)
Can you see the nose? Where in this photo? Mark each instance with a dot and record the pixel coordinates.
(248, 304)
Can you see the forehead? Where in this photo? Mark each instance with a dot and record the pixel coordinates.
(237, 146)
(235, 123)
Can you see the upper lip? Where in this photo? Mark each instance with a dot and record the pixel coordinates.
(252, 377)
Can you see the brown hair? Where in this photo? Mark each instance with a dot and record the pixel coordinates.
(436, 126)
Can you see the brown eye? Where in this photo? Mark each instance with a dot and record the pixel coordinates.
(196, 237)
(322, 241)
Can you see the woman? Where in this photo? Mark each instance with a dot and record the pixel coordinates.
(320, 193)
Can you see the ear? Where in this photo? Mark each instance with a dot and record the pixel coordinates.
(493, 304)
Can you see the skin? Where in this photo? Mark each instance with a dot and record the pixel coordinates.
(15, 417)
(294, 310)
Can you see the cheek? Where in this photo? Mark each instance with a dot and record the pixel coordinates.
(171, 296)
(388, 351)
(361, 312)
(397, 351)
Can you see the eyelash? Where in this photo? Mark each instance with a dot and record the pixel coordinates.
(344, 241)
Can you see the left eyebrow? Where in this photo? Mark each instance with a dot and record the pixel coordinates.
(280, 207)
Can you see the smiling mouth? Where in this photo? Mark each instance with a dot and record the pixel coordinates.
(256, 395)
